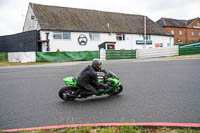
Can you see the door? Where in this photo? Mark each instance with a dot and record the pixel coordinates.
(110, 46)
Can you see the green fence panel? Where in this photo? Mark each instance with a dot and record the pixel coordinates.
(66, 56)
(189, 51)
(120, 54)
(191, 44)
(3, 57)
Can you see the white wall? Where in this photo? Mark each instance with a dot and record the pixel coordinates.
(162, 39)
(127, 44)
(30, 24)
(73, 45)
(22, 57)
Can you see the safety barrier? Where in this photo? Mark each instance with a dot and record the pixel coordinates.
(22, 57)
(89, 55)
(66, 56)
(3, 57)
(189, 45)
(189, 50)
(157, 52)
(142, 53)
(120, 54)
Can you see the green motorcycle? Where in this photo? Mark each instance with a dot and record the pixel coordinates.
(72, 91)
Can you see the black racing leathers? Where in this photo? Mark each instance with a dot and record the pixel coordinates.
(88, 80)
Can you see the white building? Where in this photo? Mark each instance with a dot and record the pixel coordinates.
(70, 29)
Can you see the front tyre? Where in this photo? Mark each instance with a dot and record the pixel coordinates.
(116, 91)
(67, 93)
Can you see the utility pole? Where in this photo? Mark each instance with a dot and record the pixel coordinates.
(22, 21)
(145, 30)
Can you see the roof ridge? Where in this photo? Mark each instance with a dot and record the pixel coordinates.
(89, 20)
(176, 22)
(86, 9)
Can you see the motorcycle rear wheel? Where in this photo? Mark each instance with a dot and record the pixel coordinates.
(66, 93)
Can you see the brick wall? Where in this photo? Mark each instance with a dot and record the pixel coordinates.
(195, 37)
(189, 34)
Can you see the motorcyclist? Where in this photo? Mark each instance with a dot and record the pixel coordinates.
(88, 79)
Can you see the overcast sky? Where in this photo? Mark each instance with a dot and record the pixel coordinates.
(13, 12)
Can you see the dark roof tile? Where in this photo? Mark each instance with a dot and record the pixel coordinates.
(72, 19)
(174, 22)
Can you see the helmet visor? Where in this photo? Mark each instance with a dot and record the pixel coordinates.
(99, 66)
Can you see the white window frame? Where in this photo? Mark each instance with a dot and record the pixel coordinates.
(172, 32)
(57, 35)
(180, 32)
(68, 35)
(61, 34)
(120, 37)
(94, 36)
(193, 33)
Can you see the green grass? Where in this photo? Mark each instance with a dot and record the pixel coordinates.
(38, 131)
(78, 130)
(188, 130)
(4, 64)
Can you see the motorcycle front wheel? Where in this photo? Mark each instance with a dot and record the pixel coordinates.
(67, 93)
(116, 91)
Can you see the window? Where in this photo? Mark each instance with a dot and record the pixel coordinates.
(197, 26)
(120, 37)
(148, 37)
(180, 32)
(57, 35)
(179, 40)
(94, 36)
(199, 33)
(67, 35)
(172, 32)
(193, 33)
(62, 35)
(32, 17)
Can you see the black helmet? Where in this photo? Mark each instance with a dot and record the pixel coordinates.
(96, 64)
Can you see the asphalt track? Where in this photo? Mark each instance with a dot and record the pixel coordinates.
(154, 91)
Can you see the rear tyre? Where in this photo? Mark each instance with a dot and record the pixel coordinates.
(67, 93)
(116, 91)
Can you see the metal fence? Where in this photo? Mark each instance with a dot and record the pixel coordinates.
(157, 52)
